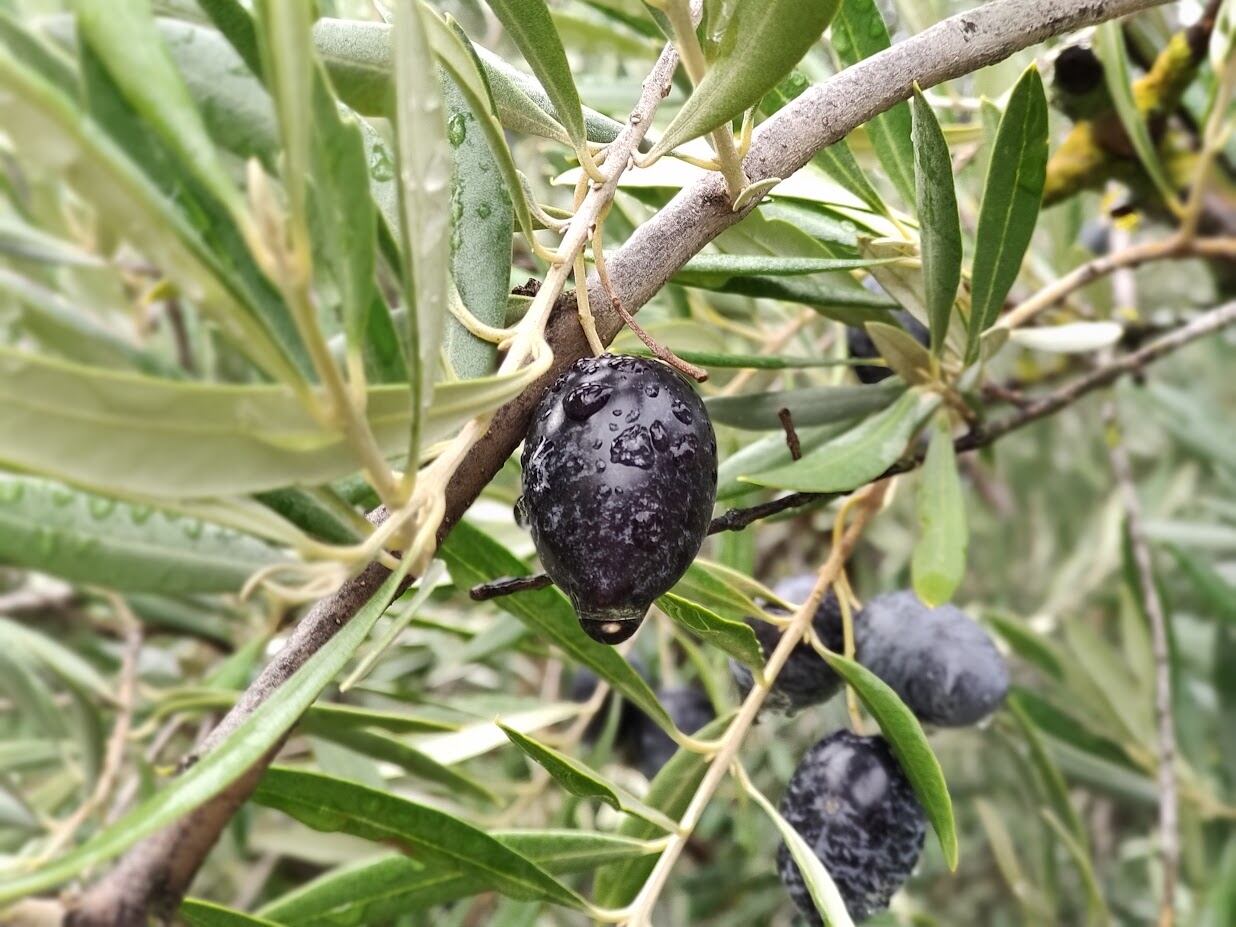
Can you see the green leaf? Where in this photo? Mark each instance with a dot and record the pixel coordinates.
(226, 762)
(811, 405)
(198, 913)
(569, 773)
(481, 228)
(1030, 645)
(939, 562)
(1054, 786)
(670, 791)
(49, 130)
(99, 541)
(124, 36)
(732, 637)
(938, 218)
(473, 558)
(859, 32)
(1215, 592)
(144, 437)
(1012, 195)
(735, 474)
(711, 270)
(763, 41)
(718, 589)
(336, 805)
(820, 885)
(392, 750)
(859, 455)
(906, 357)
(905, 735)
(373, 891)
(1110, 47)
(424, 159)
(1099, 912)
(530, 26)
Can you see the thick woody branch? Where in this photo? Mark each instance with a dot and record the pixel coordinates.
(155, 874)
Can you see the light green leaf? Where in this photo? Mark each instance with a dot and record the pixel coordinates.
(820, 885)
(473, 558)
(569, 773)
(424, 158)
(769, 453)
(905, 735)
(49, 131)
(1085, 866)
(124, 36)
(857, 456)
(1110, 47)
(1012, 195)
(530, 26)
(939, 561)
(810, 405)
(763, 40)
(718, 589)
(374, 891)
(131, 435)
(859, 32)
(198, 913)
(732, 637)
(907, 358)
(938, 219)
(482, 224)
(1216, 593)
(336, 805)
(1069, 338)
(99, 541)
(712, 270)
(222, 765)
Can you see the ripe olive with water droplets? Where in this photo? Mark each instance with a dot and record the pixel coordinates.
(619, 480)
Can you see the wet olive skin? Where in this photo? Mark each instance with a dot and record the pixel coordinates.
(852, 803)
(619, 481)
(944, 666)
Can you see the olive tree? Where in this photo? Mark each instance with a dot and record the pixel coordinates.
(811, 348)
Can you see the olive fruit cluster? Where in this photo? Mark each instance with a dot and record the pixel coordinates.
(851, 802)
(619, 481)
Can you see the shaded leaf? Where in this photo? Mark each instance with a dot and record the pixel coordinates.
(907, 358)
(329, 804)
(199, 913)
(732, 637)
(938, 218)
(811, 405)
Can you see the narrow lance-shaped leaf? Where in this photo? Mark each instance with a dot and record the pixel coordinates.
(763, 41)
(337, 805)
(124, 36)
(530, 26)
(424, 189)
(1109, 43)
(199, 913)
(481, 230)
(940, 225)
(733, 637)
(939, 561)
(857, 456)
(809, 405)
(905, 735)
(226, 762)
(1012, 195)
(859, 32)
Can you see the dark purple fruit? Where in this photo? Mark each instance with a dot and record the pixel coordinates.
(689, 707)
(851, 802)
(620, 476)
(860, 345)
(943, 665)
(805, 679)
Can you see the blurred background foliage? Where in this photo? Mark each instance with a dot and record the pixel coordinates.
(1055, 797)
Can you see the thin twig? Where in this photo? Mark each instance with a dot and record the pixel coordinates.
(508, 585)
(113, 757)
(791, 435)
(660, 351)
(1169, 837)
